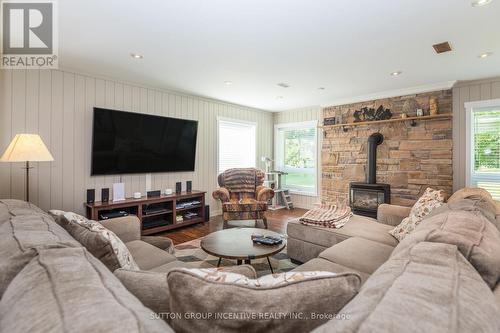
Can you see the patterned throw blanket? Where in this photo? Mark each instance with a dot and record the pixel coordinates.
(242, 180)
(328, 216)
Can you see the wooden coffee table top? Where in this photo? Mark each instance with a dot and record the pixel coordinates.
(237, 244)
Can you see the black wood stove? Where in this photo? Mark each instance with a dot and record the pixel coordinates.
(364, 198)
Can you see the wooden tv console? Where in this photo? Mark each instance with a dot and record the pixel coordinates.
(156, 214)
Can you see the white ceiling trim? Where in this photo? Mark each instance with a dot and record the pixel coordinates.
(393, 93)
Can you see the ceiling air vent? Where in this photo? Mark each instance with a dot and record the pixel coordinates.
(442, 47)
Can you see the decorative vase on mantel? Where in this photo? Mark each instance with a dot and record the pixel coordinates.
(433, 106)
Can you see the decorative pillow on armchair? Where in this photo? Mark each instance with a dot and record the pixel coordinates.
(430, 200)
(101, 242)
(231, 302)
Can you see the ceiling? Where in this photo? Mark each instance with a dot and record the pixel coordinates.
(348, 47)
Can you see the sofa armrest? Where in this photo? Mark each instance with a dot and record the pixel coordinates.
(163, 243)
(264, 193)
(221, 194)
(392, 214)
(127, 228)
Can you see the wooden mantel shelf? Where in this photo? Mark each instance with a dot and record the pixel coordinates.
(393, 120)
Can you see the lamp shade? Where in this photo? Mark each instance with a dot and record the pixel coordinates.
(26, 148)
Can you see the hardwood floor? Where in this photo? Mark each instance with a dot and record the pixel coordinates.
(277, 221)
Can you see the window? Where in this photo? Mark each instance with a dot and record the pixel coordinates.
(296, 154)
(483, 146)
(237, 144)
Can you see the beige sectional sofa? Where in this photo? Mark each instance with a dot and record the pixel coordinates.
(361, 245)
(50, 283)
(151, 253)
(433, 281)
(444, 277)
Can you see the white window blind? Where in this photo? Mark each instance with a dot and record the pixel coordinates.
(484, 164)
(296, 154)
(237, 144)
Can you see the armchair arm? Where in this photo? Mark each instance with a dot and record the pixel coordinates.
(127, 228)
(221, 194)
(263, 193)
(163, 243)
(392, 214)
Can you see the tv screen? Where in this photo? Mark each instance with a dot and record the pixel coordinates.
(127, 142)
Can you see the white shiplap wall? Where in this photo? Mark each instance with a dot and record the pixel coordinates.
(298, 115)
(467, 91)
(58, 105)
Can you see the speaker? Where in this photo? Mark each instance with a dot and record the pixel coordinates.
(189, 186)
(178, 187)
(154, 194)
(90, 196)
(105, 195)
(207, 213)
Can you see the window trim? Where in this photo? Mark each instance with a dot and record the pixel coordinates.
(301, 124)
(238, 121)
(470, 108)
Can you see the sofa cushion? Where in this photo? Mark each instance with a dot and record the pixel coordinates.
(148, 256)
(151, 288)
(460, 224)
(101, 242)
(244, 205)
(68, 290)
(358, 226)
(429, 287)
(320, 264)
(359, 254)
(21, 235)
(430, 200)
(249, 304)
(392, 214)
(165, 268)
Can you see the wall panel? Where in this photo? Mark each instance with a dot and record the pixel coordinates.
(58, 105)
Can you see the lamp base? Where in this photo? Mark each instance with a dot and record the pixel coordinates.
(27, 167)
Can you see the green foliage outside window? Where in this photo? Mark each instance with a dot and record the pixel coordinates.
(299, 148)
(487, 141)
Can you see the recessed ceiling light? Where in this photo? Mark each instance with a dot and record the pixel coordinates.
(321, 88)
(485, 55)
(136, 56)
(480, 3)
(396, 73)
(279, 97)
(228, 83)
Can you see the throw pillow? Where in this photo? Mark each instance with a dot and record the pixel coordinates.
(229, 302)
(151, 288)
(430, 200)
(101, 242)
(463, 224)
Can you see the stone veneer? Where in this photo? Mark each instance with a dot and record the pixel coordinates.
(410, 159)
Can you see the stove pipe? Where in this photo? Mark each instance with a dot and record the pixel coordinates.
(373, 141)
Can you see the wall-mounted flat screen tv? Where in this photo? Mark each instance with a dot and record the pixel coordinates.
(127, 142)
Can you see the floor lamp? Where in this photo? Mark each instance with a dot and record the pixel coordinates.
(27, 148)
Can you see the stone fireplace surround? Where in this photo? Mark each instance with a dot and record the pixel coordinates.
(410, 159)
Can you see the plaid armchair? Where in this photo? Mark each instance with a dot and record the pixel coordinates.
(242, 195)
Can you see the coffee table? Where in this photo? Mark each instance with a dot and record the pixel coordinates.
(237, 244)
